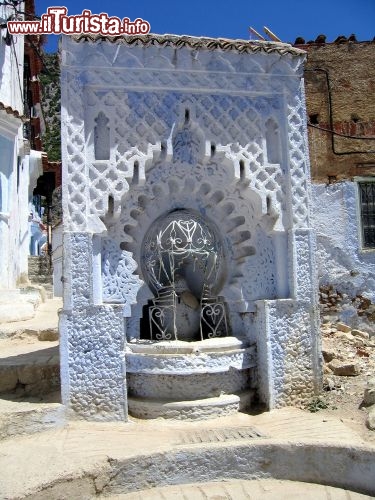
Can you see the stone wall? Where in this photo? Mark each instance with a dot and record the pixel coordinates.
(340, 84)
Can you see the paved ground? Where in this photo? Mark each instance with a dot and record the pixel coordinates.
(267, 489)
(22, 347)
(30, 352)
(29, 462)
(84, 460)
(46, 317)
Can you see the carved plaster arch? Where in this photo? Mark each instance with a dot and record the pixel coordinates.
(229, 184)
(234, 214)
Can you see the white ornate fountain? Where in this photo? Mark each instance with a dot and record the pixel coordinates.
(189, 273)
(188, 365)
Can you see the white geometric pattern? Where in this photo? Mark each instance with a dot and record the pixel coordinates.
(233, 125)
(74, 175)
(298, 159)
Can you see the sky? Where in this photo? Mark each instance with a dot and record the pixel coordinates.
(288, 19)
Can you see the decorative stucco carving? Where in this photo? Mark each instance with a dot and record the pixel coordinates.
(120, 284)
(237, 137)
(75, 193)
(298, 158)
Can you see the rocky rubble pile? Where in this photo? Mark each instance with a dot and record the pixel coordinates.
(336, 306)
(349, 369)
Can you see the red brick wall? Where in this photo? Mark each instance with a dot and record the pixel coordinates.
(340, 95)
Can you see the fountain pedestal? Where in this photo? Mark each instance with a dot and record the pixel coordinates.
(189, 380)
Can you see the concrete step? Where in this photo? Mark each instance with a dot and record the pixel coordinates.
(38, 261)
(48, 290)
(226, 404)
(39, 270)
(100, 459)
(29, 368)
(42, 326)
(20, 304)
(28, 417)
(40, 278)
(9, 294)
(16, 311)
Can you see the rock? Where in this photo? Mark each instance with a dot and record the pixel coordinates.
(344, 368)
(343, 328)
(329, 384)
(370, 422)
(359, 333)
(345, 336)
(189, 299)
(362, 353)
(328, 354)
(369, 394)
(359, 342)
(51, 334)
(8, 379)
(30, 332)
(326, 370)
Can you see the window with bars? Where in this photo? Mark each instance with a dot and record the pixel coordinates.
(367, 206)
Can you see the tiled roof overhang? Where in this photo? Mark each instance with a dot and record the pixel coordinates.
(241, 46)
(13, 112)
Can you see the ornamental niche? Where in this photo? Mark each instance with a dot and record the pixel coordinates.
(189, 282)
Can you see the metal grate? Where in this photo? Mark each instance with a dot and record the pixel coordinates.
(219, 435)
(367, 203)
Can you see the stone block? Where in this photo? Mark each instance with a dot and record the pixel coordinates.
(344, 368)
(369, 394)
(8, 379)
(51, 334)
(95, 374)
(343, 328)
(362, 335)
(370, 421)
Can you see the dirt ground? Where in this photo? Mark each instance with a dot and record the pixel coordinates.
(342, 395)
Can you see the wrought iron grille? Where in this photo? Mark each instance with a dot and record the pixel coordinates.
(367, 203)
(182, 258)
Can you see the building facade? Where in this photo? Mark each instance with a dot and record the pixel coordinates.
(340, 85)
(20, 165)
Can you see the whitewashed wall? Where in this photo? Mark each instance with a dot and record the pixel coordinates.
(17, 163)
(57, 259)
(11, 65)
(341, 261)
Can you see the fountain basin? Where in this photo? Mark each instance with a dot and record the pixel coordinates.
(189, 380)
